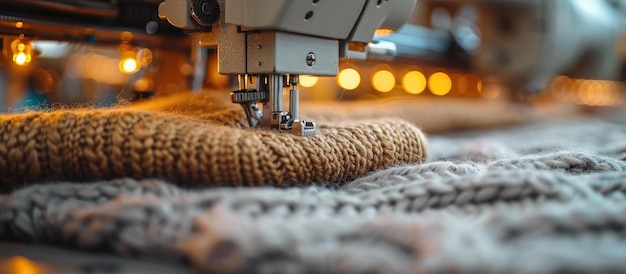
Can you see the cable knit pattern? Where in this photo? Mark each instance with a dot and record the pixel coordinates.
(539, 198)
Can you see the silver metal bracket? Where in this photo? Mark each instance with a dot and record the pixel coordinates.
(249, 99)
(304, 128)
(269, 92)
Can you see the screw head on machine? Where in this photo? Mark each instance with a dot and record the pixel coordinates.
(310, 59)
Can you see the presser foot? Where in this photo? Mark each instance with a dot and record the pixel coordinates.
(304, 128)
(281, 120)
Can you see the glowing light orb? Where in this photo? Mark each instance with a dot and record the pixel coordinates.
(349, 79)
(414, 82)
(20, 58)
(383, 81)
(308, 81)
(129, 65)
(439, 84)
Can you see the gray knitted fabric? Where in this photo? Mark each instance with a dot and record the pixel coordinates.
(546, 198)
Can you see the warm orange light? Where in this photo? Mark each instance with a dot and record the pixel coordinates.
(144, 57)
(308, 81)
(382, 32)
(349, 79)
(581, 93)
(126, 36)
(130, 58)
(22, 52)
(129, 65)
(383, 81)
(414, 82)
(20, 58)
(19, 264)
(439, 84)
(144, 84)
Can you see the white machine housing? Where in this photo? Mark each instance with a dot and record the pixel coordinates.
(277, 36)
(268, 43)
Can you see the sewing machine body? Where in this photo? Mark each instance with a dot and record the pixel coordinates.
(274, 41)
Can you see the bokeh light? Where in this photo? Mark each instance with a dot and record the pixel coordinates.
(439, 83)
(349, 79)
(22, 52)
(308, 81)
(589, 92)
(129, 65)
(383, 81)
(19, 264)
(414, 82)
(20, 58)
(144, 57)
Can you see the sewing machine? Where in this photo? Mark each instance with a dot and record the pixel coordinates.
(514, 44)
(267, 46)
(520, 44)
(269, 49)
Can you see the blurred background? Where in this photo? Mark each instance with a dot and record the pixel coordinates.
(103, 52)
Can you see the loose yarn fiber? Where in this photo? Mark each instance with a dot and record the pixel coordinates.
(87, 145)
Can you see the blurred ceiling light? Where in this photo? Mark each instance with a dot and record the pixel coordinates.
(20, 58)
(349, 79)
(128, 61)
(129, 65)
(383, 81)
(414, 82)
(22, 52)
(308, 81)
(439, 83)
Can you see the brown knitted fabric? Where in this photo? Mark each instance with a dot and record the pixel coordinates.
(85, 145)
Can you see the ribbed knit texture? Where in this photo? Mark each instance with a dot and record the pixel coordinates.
(542, 198)
(87, 145)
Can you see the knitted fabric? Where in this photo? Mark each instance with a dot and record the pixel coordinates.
(541, 198)
(93, 145)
